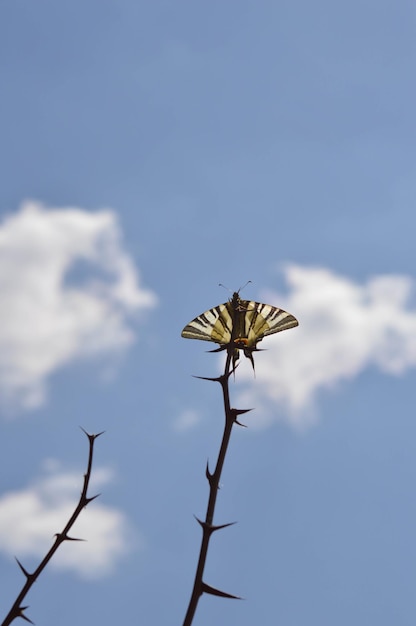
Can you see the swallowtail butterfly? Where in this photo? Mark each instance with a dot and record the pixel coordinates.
(240, 323)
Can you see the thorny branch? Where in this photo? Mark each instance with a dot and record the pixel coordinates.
(208, 528)
(17, 609)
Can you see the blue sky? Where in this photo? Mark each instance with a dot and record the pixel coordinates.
(150, 151)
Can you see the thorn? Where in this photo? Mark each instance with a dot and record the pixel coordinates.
(235, 365)
(92, 437)
(223, 379)
(88, 500)
(63, 537)
(200, 522)
(217, 592)
(233, 369)
(24, 570)
(208, 473)
(250, 357)
(240, 411)
(68, 538)
(220, 349)
(236, 412)
(214, 380)
(210, 528)
(221, 526)
(248, 352)
(20, 613)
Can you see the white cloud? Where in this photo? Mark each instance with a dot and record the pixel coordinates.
(29, 519)
(344, 328)
(50, 317)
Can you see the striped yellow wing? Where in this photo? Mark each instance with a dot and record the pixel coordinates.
(214, 325)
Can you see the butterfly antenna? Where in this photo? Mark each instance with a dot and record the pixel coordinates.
(238, 291)
(245, 285)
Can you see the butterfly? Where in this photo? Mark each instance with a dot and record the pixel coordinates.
(240, 324)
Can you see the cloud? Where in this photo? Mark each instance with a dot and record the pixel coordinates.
(30, 517)
(68, 290)
(345, 327)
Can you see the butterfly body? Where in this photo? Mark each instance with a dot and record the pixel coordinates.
(240, 324)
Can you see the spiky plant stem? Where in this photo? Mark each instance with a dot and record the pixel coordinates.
(17, 609)
(207, 525)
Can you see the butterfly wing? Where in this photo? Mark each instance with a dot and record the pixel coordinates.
(261, 320)
(214, 325)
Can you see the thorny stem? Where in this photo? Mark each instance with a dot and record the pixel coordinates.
(17, 609)
(214, 481)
